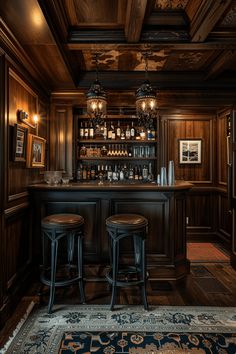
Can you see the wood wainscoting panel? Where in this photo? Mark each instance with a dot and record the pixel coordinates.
(201, 209)
(61, 138)
(16, 257)
(221, 149)
(224, 218)
(178, 127)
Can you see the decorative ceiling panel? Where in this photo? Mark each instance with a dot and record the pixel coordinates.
(125, 61)
(171, 4)
(95, 12)
(188, 60)
(230, 18)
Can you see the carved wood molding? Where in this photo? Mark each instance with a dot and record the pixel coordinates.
(15, 210)
(11, 45)
(134, 19)
(205, 18)
(221, 63)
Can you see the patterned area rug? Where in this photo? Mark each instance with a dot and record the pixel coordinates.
(146, 342)
(43, 333)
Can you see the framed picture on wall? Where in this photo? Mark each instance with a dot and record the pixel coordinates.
(35, 151)
(19, 143)
(190, 151)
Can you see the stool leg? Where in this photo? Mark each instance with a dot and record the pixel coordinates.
(54, 248)
(80, 267)
(70, 247)
(115, 260)
(144, 276)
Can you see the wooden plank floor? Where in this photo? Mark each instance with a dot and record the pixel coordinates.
(220, 292)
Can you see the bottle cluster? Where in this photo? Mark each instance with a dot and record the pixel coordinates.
(115, 173)
(117, 150)
(111, 131)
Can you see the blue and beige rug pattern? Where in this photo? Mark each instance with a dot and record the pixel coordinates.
(72, 329)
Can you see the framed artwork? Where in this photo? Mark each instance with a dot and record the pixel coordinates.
(19, 143)
(190, 151)
(35, 151)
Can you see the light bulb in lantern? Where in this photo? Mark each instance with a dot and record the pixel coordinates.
(143, 106)
(94, 106)
(100, 106)
(152, 104)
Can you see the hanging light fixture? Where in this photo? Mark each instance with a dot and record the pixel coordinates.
(96, 99)
(146, 102)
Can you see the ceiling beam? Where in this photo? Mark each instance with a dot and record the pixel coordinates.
(134, 19)
(207, 14)
(151, 46)
(222, 63)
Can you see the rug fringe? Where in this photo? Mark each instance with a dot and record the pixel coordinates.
(18, 327)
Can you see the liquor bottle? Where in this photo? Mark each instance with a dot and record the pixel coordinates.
(118, 130)
(127, 132)
(83, 151)
(150, 174)
(113, 134)
(122, 134)
(140, 176)
(86, 131)
(88, 172)
(81, 130)
(91, 131)
(142, 134)
(109, 134)
(126, 172)
(79, 173)
(136, 172)
(109, 173)
(93, 173)
(115, 174)
(132, 131)
(149, 134)
(105, 131)
(122, 174)
(104, 151)
(145, 173)
(131, 173)
(130, 151)
(84, 173)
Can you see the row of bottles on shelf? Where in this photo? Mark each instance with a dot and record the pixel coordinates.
(119, 132)
(118, 172)
(117, 150)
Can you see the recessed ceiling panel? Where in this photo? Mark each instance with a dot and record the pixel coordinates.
(170, 4)
(125, 60)
(188, 60)
(88, 13)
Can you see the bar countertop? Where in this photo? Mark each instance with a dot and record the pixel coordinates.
(94, 185)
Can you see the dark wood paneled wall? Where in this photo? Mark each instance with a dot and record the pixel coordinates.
(224, 216)
(192, 126)
(16, 237)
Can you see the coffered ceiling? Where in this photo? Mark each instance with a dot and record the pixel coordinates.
(191, 43)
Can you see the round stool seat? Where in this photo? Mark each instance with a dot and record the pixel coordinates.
(126, 221)
(62, 221)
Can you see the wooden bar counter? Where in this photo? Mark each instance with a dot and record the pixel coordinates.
(163, 206)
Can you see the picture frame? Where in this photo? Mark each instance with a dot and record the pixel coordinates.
(190, 151)
(20, 135)
(35, 152)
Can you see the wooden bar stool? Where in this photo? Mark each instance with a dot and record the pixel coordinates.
(119, 227)
(54, 228)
